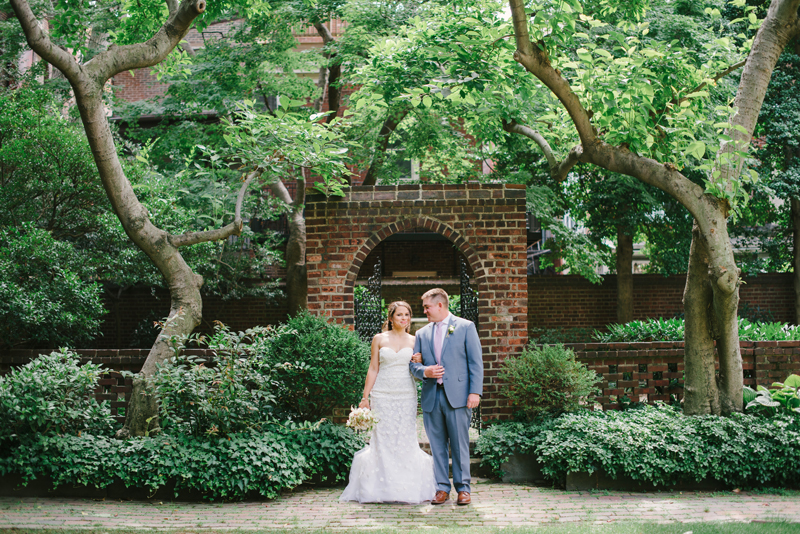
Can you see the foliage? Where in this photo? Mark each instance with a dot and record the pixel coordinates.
(551, 336)
(53, 394)
(231, 394)
(283, 141)
(546, 380)
(659, 445)
(673, 330)
(783, 397)
(232, 468)
(500, 441)
(656, 445)
(46, 297)
(47, 175)
(317, 366)
(650, 330)
(580, 254)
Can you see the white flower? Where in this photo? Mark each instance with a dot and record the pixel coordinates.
(451, 329)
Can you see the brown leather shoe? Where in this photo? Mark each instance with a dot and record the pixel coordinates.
(463, 498)
(440, 497)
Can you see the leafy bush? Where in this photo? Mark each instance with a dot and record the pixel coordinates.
(657, 445)
(673, 330)
(46, 297)
(783, 397)
(232, 394)
(767, 331)
(546, 380)
(650, 330)
(53, 394)
(317, 366)
(499, 441)
(235, 467)
(661, 446)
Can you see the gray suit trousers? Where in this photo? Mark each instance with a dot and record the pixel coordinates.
(445, 426)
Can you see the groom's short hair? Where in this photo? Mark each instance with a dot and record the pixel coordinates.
(437, 294)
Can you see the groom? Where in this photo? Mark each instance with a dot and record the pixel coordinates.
(452, 383)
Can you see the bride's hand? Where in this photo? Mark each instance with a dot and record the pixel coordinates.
(417, 358)
(364, 404)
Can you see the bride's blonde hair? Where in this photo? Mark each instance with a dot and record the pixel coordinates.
(388, 326)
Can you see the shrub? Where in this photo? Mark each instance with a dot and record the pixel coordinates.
(546, 380)
(650, 330)
(45, 296)
(317, 366)
(501, 440)
(234, 467)
(53, 394)
(673, 330)
(661, 446)
(232, 394)
(782, 397)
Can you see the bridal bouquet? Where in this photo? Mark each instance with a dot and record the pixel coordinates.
(361, 419)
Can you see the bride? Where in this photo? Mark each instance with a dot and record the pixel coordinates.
(392, 468)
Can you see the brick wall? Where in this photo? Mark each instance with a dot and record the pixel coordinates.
(553, 301)
(572, 301)
(486, 223)
(642, 371)
(137, 305)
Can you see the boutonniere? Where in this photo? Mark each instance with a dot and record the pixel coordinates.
(450, 330)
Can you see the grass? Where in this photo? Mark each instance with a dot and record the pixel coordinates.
(569, 528)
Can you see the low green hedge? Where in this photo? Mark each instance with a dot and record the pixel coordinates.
(228, 468)
(655, 444)
(673, 330)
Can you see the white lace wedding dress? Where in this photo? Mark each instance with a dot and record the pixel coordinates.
(392, 468)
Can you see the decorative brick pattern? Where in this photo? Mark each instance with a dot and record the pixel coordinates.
(650, 372)
(486, 223)
(646, 372)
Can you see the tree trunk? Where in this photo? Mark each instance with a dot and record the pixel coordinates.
(296, 269)
(393, 120)
(701, 394)
(87, 81)
(624, 277)
(796, 256)
(334, 91)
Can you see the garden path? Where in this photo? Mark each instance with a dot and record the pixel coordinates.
(494, 504)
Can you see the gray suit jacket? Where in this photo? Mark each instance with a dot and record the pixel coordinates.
(462, 359)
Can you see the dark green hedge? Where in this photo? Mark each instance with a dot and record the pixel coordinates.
(657, 445)
(233, 467)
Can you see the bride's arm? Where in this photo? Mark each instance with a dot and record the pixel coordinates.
(372, 373)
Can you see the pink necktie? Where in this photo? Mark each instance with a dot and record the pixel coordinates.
(437, 345)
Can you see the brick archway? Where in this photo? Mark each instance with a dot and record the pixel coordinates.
(408, 224)
(486, 223)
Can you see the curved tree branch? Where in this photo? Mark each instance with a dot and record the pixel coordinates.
(40, 42)
(234, 228)
(121, 58)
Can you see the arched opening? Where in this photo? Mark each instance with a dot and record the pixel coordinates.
(415, 256)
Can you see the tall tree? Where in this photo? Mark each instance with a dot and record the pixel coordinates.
(87, 80)
(712, 288)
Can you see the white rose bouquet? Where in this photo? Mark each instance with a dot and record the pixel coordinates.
(361, 419)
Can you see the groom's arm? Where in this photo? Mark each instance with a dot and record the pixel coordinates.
(417, 369)
(474, 360)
